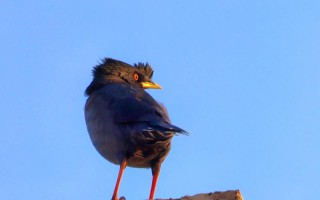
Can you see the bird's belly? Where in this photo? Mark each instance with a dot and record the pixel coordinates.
(101, 132)
(106, 144)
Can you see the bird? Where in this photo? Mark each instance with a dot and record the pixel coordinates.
(126, 125)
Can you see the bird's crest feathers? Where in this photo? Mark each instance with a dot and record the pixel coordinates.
(145, 69)
(107, 65)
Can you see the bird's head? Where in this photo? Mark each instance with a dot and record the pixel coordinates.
(114, 71)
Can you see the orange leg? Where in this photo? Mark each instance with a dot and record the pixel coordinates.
(115, 192)
(155, 174)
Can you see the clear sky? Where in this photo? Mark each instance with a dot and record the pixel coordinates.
(242, 77)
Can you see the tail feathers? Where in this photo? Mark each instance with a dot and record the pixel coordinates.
(166, 127)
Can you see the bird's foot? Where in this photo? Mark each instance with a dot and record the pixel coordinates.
(116, 198)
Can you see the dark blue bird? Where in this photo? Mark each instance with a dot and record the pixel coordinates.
(126, 125)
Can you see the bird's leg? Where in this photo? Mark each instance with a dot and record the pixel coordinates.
(115, 192)
(155, 175)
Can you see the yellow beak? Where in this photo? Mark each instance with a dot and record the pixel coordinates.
(150, 85)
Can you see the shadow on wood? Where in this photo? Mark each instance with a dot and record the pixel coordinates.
(227, 195)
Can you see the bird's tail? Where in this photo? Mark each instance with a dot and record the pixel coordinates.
(166, 127)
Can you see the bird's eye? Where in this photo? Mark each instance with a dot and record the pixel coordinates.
(136, 76)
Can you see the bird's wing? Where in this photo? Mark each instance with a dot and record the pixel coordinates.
(142, 109)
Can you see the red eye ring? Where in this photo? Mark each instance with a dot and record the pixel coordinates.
(136, 76)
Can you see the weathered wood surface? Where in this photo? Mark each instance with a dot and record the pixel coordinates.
(227, 195)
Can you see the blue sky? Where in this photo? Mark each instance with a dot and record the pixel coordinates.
(242, 77)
